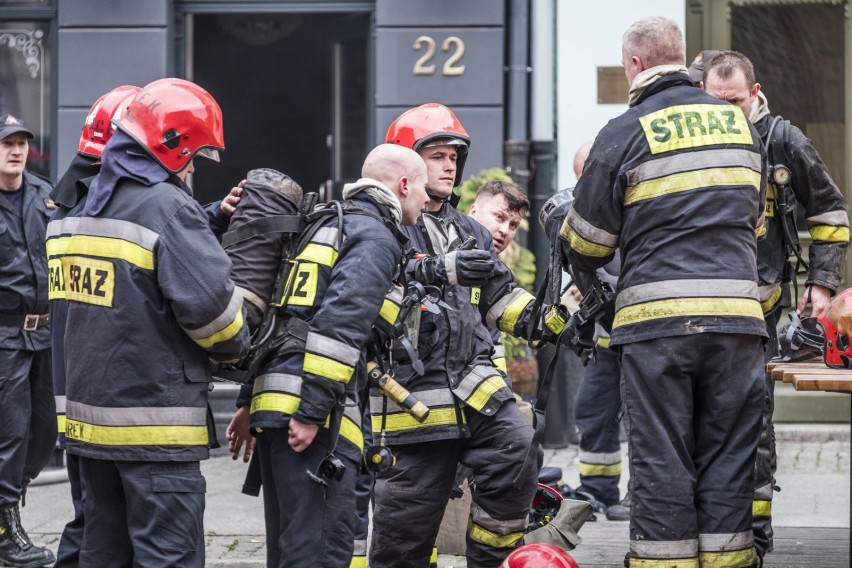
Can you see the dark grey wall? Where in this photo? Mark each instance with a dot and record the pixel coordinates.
(100, 46)
(475, 95)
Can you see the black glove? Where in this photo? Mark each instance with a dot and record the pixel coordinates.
(464, 267)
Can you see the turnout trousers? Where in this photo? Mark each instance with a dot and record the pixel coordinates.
(694, 406)
(308, 524)
(27, 419)
(596, 414)
(410, 498)
(765, 464)
(71, 540)
(141, 514)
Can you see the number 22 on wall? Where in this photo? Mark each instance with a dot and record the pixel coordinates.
(451, 67)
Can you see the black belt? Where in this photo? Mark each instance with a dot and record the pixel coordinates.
(28, 322)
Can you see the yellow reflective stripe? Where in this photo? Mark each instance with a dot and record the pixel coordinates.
(103, 247)
(829, 233)
(136, 435)
(664, 563)
(500, 363)
(686, 181)
(586, 248)
(484, 391)
(327, 368)
(729, 559)
(761, 508)
(319, 254)
(512, 313)
(404, 421)
(358, 562)
(603, 342)
(433, 558)
(771, 301)
(596, 470)
(389, 311)
(60, 422)
(483, 535)
(289, 404)
(225, 334)
(678, 307)
(692, 126)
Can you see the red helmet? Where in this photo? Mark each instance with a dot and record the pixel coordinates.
(539, 555)
(174, 120)
(100, 122)
(836, 321)
(431, 124)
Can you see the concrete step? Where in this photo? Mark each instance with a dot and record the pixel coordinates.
(810, 406)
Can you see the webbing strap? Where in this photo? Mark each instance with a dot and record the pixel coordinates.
(271, 224)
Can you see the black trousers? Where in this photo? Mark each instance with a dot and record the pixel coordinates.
(140, 514)
(27, 419)
(596, 414)
(71, 540)
(308, 524)
(694, 407)
(411, 497)
(765, 464)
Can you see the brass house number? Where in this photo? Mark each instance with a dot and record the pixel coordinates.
(453, 45)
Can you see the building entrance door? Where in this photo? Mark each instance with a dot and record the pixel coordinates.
(293, 88)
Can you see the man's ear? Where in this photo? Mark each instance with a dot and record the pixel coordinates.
(755, 89)
(473, 209)
(701, 85)
(402, 186)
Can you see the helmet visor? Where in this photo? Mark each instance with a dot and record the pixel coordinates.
(209, 153)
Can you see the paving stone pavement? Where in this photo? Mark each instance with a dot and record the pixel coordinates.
(813, 473)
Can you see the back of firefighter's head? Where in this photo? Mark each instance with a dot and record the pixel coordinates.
(100, 122)
(539, 555)
(434, 132)
(175, 120)
(403, 172)
(651, 42)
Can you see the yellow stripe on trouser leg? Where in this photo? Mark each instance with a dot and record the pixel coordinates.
(760, 508)
(494, 540)
(746, 558)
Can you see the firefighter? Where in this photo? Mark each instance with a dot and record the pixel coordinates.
(804, 183)
(70, 197)
(303, 405)
(677, 185)
(148, 302)
(27, 423)
(473, 419)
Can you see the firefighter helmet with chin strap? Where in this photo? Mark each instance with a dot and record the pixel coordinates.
(431, 124)
(175, 120)
(100, 122)
(539, 555)
(801, 339)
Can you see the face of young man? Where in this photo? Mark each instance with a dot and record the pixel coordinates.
(734, 89)
(492, 211)
(440, 169)
(13, 159)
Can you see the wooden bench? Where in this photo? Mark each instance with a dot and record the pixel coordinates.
(811, 374)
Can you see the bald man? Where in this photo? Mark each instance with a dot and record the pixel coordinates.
(302, 406)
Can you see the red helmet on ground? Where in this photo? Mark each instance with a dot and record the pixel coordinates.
(174, 120)
(100, 122)
(539, 555)
(431, 124)
(836, 321)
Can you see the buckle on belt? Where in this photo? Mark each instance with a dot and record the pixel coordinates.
(31, 322)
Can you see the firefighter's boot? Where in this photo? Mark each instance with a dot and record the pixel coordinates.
(16, 548)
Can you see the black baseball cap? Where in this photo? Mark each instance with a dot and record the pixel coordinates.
(696, 70)
(12, 125)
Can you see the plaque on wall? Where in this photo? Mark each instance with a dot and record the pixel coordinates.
(612, 86)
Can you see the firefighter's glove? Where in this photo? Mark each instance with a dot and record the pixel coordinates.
(464, 267)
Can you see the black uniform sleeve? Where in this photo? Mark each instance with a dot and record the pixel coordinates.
(193, 274)
(590, 232)
(341, 328)
(825, 210)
